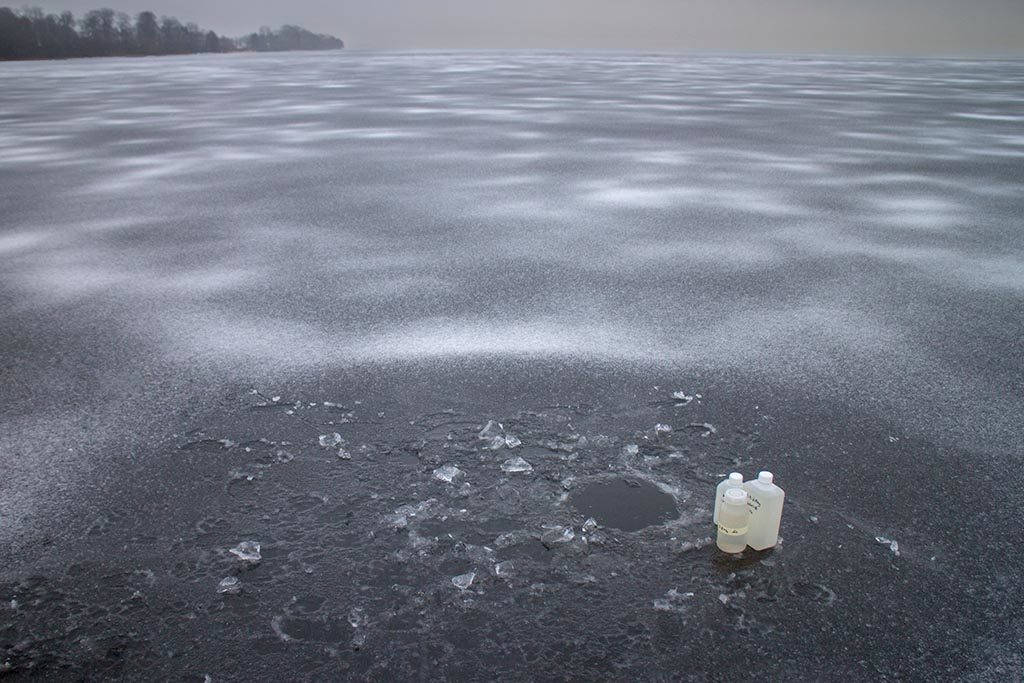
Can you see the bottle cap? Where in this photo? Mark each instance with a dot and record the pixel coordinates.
(736, 496)
(765, 477)
(735, 478)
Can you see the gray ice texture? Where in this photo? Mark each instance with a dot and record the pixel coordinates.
(845, 229)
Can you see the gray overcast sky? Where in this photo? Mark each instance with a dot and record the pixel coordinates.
(871, 26)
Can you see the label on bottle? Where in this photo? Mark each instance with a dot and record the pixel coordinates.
(753, 504)
(732, 532)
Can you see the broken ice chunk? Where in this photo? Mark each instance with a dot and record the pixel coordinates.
(495, 436)
(463, 581)
(505, 568)
(495, 443)
(630, 450)
(516, 464)
(400, 519)
(357, 617)
(674, 601)
(230, 585)
(511, 538)
(556, 535)
(414, 509)
(662, 428)
(559, 446)
(447, 473)
(247, 551)
(681, 398)
(478, 553)
(893, 545)
(705, 427)
(492, 430)
(344, 454)
(695, 545)
(590, 524)
(330, 440)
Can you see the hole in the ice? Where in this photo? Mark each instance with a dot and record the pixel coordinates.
(626, 503)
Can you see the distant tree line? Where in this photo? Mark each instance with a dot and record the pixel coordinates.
(31, 34)
(290, 38)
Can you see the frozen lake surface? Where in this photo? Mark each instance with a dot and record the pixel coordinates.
(209, 266)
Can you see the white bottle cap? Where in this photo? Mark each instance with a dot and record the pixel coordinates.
(765, 477)
(736, 496)
(735, 478)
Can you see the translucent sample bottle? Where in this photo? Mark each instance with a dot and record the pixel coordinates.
(733, 520)
(734, 480)
(764, 499)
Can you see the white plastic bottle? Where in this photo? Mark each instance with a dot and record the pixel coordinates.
(764, 499)
(734, 480)
(733, 521)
